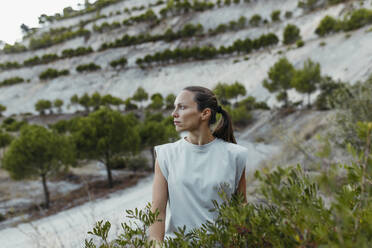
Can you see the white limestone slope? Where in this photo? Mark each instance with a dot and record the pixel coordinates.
(348, 59)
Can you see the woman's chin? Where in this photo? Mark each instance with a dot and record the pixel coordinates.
(179, 129)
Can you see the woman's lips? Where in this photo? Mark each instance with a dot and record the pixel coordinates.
(176, 122)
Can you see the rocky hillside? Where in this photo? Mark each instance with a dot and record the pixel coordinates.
(345, 56)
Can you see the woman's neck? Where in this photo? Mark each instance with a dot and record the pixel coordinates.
(200, 138)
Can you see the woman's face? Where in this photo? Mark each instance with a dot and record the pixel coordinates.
(186, 116)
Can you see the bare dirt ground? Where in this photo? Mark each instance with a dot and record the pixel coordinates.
(22, 201)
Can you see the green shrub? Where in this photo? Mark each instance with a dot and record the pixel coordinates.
(32, 61)
(61, 126)
(69, 12)
(16, 48)
(327, 25)
(291, 34)
(129, 105)
(122, 62)
(308, 4)
(8, 121)
(43, 105)
(332, 2)
(80, 51)
(327, 88)
(208, 52)
(250, 103)
(11, 81)
(240, 116)
(275, 15)
(358, 19)
(9, 65)
(353, 104)
(300, 43)
(354, 20)
(47, 58)
(51, 73)
(106, 27)
(88, 67)
(255, 20)
(56, 36)
(15, 126)
(288, 14)
(12, 125)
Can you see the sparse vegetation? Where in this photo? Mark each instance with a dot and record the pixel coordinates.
(11, 81)
(56, 36)
(43, 105)
(51, 73)
(208, 52)
(354, 20)
(80, 51)
(122, 62)
(291, 34)
(68, 12)
(88, 67)
(275, 16)
(16, 48)
(255, 20)
(9, 65)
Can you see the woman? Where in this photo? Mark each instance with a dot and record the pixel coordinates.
(190, 172)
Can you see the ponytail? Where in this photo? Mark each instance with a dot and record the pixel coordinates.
(224, 129)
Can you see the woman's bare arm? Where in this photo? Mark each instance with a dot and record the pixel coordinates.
(242, 187)
(159, 201)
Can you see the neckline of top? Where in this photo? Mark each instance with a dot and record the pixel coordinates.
(199, 147)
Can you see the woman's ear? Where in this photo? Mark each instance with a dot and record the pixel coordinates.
(206, 114)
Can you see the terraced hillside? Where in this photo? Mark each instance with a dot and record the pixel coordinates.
(125, 29)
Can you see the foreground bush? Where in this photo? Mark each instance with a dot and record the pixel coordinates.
(296, 209)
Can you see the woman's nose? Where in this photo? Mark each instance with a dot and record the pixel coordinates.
(174, 113)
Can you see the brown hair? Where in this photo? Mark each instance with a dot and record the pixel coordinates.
(205, 98)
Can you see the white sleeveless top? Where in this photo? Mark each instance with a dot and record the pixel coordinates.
(194, 174)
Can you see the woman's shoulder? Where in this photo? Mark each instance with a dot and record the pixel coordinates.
(234, 148)
(169, 145)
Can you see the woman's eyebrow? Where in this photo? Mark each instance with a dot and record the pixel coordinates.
(180, 103)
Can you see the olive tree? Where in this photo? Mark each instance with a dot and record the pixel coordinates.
(38, 152)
